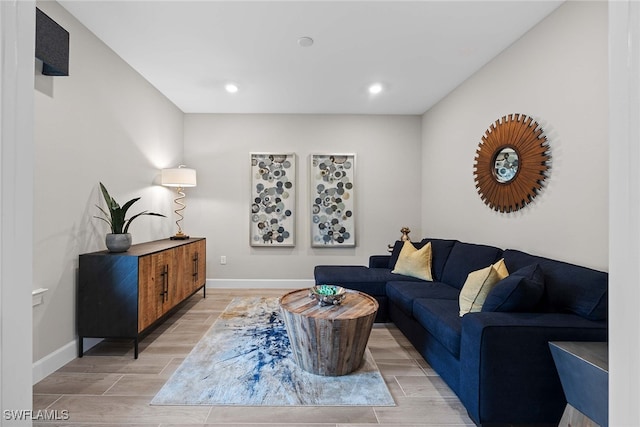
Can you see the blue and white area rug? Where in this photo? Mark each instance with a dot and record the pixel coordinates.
(245, 359)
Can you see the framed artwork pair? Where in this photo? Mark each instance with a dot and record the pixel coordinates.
(331, 200)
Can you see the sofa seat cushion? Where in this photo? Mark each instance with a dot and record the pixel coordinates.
(440, 317)
(568, 288)
(465, 258)
(402, 294)
(358, 277)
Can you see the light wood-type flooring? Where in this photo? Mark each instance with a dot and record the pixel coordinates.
(108, 387)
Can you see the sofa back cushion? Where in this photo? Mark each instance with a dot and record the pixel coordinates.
(519, 292)
(440, 249)
(567, 287)
(465, 258)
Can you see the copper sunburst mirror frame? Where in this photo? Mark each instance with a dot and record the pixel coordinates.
(511, 163)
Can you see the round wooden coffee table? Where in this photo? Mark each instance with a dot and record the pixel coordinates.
(328, 340)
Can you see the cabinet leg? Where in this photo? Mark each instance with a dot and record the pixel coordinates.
(135, 348)
(204, 291)
(80, 347)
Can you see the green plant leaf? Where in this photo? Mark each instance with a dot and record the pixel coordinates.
(111, 203)
(105, 220)
(127, 205)
(107, 217)
(126, 227)
(116, 216)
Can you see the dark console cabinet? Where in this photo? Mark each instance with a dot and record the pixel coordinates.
(121, 295)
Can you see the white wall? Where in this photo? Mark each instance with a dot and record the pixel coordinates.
(387, 179)
(556, 73)
(105, 123)
(17, 25)
(624, 277)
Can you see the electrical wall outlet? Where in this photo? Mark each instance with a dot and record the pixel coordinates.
(223, 259)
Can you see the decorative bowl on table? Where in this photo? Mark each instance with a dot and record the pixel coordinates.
(328, 294)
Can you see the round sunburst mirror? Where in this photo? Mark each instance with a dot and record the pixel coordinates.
(511, 163)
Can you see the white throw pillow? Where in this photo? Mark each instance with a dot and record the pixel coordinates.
(478, 285)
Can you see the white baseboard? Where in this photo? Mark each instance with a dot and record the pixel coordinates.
(60, 357)
(260, 283)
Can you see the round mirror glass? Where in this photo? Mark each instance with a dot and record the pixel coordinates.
(506, 165)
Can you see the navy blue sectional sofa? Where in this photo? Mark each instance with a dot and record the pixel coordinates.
(497, 362)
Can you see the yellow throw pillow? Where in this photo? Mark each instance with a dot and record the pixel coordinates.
(478, 285)
(413, 262)
(501, 268)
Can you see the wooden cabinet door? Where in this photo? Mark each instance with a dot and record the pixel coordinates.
(191, 261)
(171, 296)
(199, 260)
(182, 273)
(152, 280)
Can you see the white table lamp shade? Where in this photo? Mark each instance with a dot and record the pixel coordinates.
(179, 177)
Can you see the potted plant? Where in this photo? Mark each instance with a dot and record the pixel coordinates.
(119, 240)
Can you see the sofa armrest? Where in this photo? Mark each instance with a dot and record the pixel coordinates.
(379, 261)
(507, 373)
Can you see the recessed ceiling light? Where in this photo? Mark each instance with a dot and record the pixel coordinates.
(305, 41)
(375, 88)
(231, 87)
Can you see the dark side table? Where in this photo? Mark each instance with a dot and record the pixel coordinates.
(583, 368)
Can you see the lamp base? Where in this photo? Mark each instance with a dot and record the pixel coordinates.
(179, 236)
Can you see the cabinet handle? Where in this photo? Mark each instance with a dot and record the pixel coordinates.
(165, 283)
(196, 260)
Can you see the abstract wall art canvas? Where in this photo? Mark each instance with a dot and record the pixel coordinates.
(273, 199)
(332, 200)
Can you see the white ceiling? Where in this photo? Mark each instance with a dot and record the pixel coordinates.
(418, 50)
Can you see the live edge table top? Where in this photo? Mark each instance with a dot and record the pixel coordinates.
(355, 305)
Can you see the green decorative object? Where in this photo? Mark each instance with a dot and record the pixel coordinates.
(327, 290)
(328, 294)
